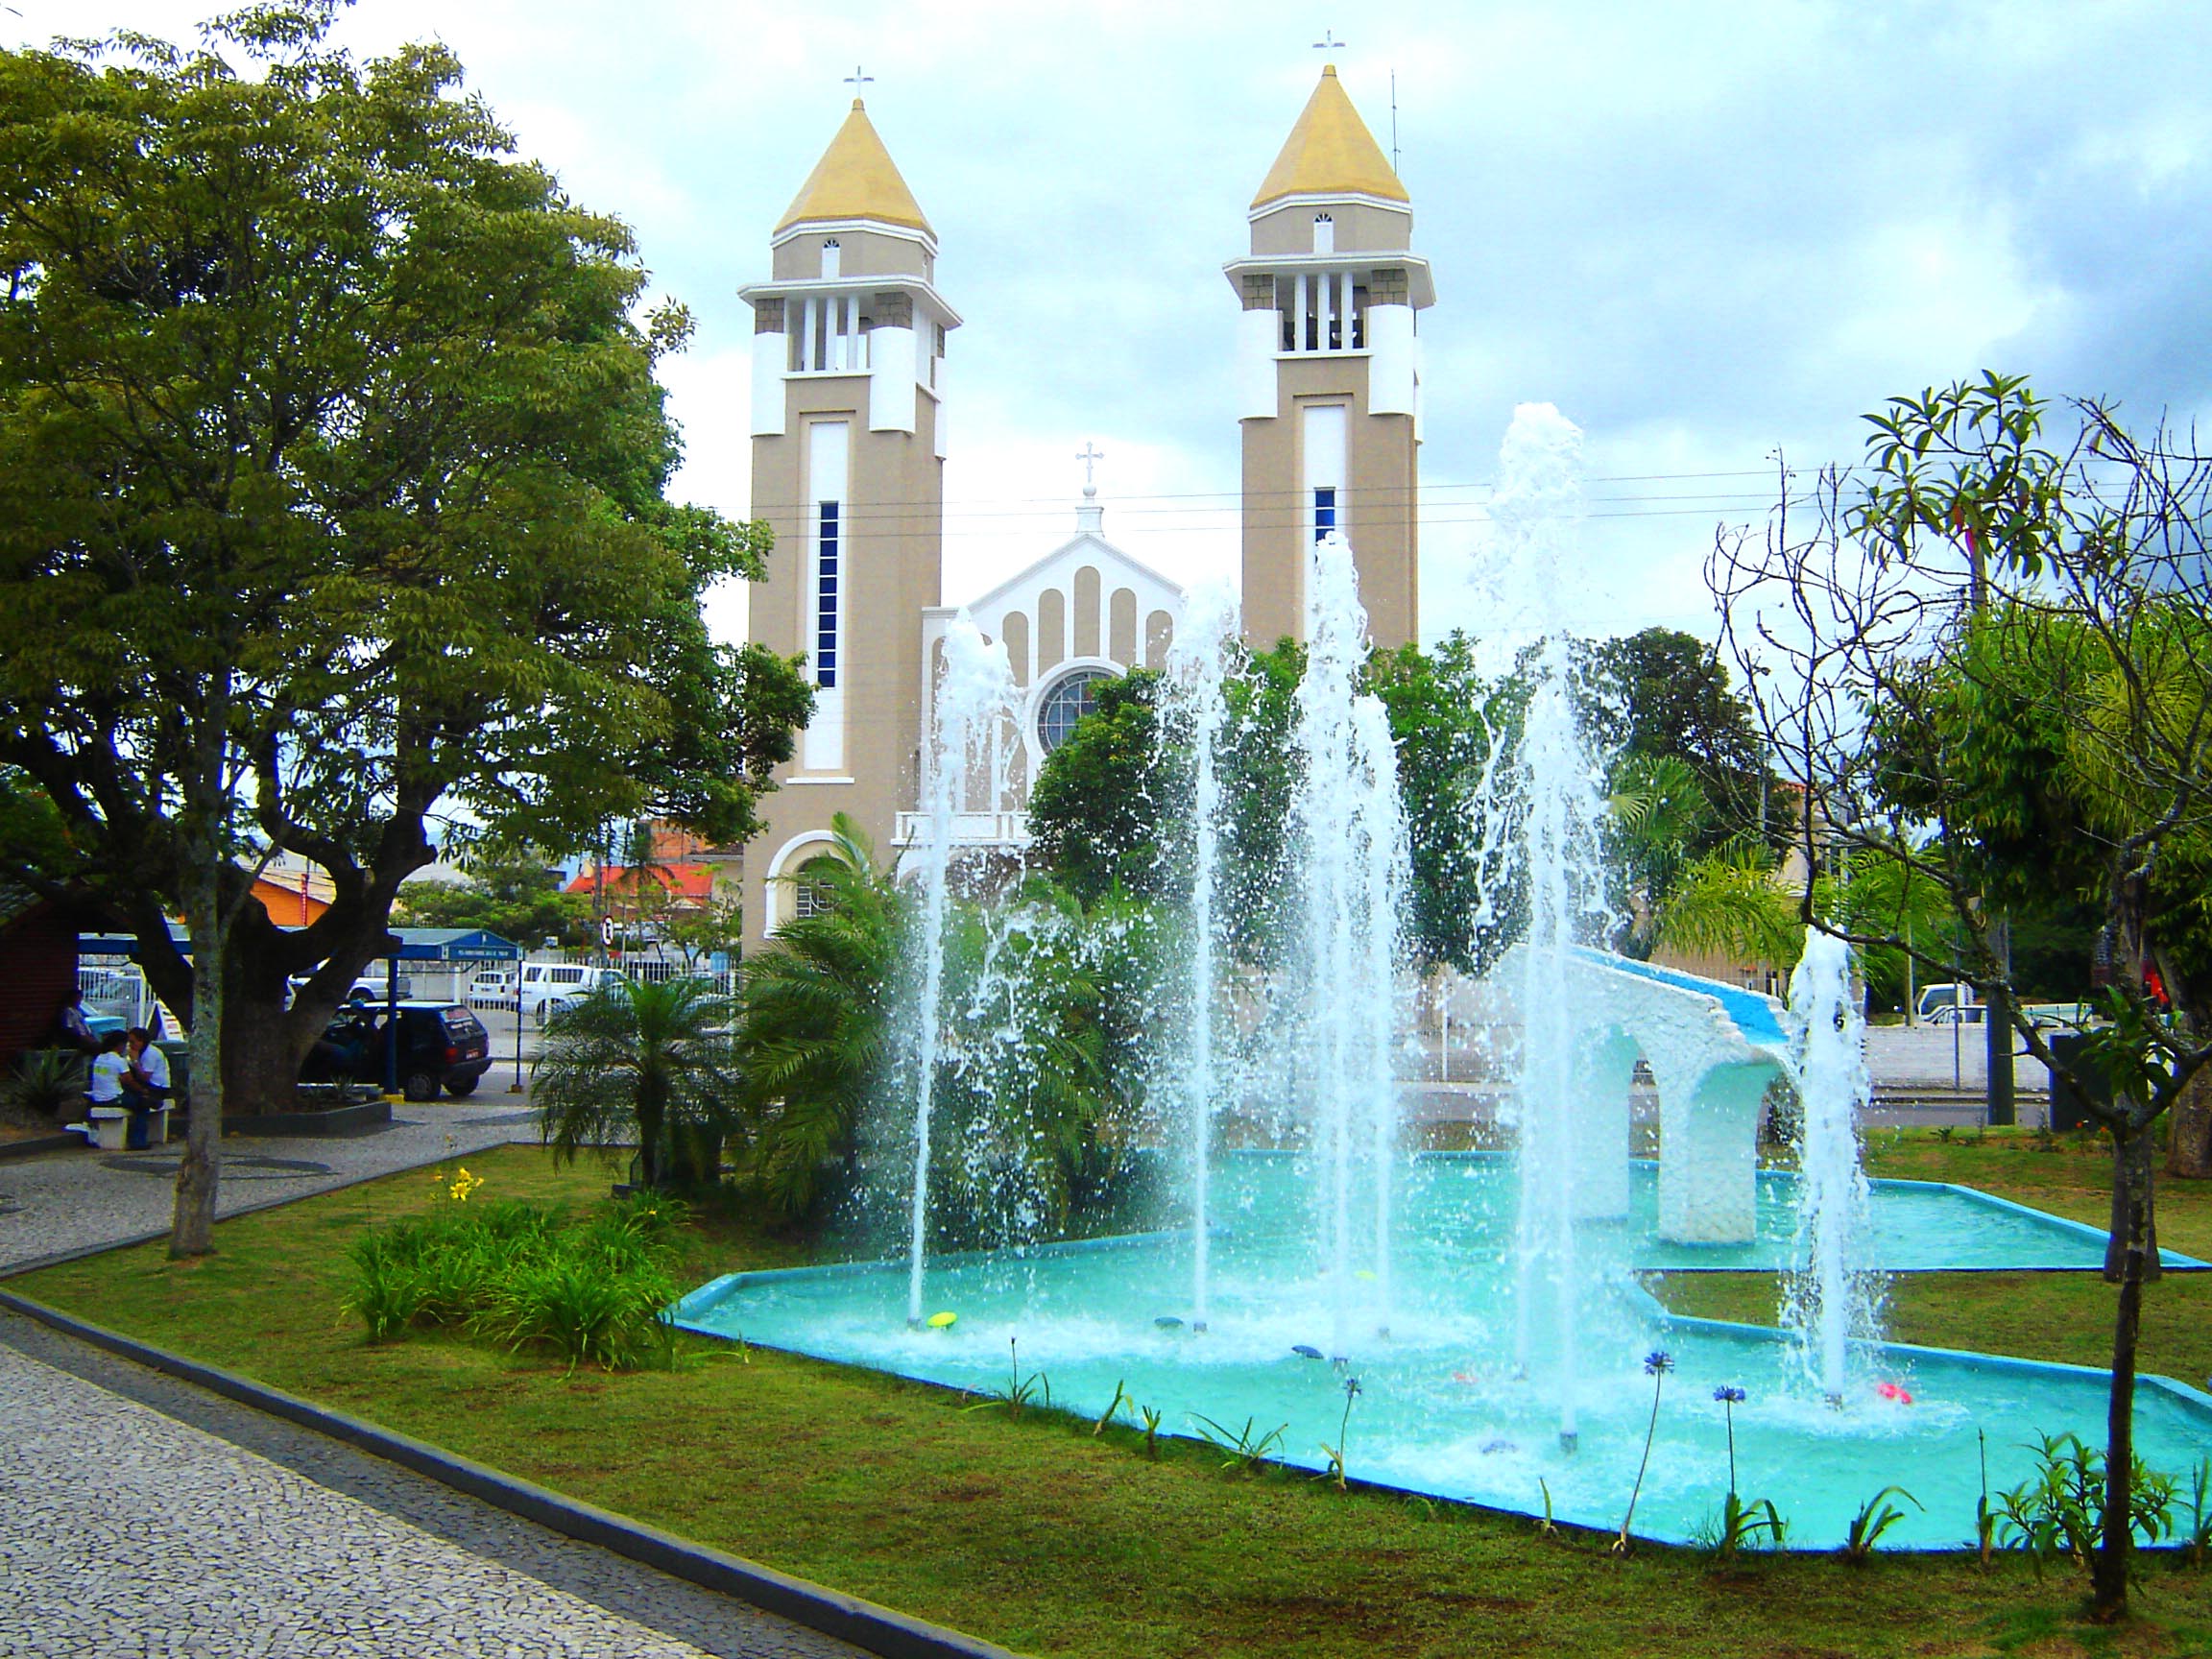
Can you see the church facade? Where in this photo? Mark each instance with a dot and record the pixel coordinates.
(849, 434)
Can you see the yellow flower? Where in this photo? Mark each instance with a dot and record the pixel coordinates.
(464, 1184)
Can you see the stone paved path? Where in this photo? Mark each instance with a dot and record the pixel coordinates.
(145, 1517)
(69, 1201)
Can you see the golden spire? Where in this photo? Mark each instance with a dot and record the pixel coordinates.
(1329, 152)
(856, 178)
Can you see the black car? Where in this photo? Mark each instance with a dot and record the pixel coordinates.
(441, 1046)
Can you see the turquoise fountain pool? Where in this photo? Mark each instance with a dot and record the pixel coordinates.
(1442, 1408)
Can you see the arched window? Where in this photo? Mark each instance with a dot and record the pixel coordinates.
(811, 894)
(832, 258)
(1064, 704)
(1324, 233)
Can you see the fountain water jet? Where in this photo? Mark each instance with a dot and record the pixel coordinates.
(1557, 813)
(1350, 834)
(1829, 1299)
(975, 700)
(1197, 667)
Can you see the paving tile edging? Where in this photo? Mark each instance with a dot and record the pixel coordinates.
(879, 1630)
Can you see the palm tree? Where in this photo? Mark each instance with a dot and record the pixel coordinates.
(813, 1023)
(653, 1060)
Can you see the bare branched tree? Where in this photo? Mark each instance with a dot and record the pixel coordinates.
(1986, 658)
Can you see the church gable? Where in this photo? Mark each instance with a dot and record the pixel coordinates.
(1085, 602)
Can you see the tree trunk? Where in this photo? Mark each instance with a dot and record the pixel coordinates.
(192, 1224)
(1998, 1038)
(261, 1057)
(2189, 1154)
(2132, 1256)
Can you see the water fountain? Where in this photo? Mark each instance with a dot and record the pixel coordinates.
(1558, 811)
(1829, 1300)
(976, 699)
(1197, 709)
(1348, 836)
(1506, 1285)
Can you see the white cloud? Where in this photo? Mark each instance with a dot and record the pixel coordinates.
(1706, 231)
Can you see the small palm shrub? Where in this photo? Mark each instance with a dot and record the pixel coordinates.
(649, 1064)
(814, 1027)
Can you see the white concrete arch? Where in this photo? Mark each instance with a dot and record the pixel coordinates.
(1713, 1050)
(789, 859)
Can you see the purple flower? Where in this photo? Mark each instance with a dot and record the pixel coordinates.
(1729, 1396)
(1658, 1363)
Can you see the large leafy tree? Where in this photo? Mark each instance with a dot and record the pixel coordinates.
(1449, 724)
(1107, 801)
(331, 499)
(1989, 666)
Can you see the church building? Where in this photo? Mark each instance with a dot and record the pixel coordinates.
(849, 435)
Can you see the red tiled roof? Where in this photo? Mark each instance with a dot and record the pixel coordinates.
(687, 883)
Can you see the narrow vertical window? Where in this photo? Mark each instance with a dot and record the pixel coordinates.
(1324, 511)
(825, 598)
(1324, 233)
(832, 258)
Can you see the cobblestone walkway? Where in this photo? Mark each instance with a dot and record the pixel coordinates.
(144, 1517)
(77, 1200)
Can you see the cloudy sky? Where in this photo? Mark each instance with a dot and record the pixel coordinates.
(1706, 231)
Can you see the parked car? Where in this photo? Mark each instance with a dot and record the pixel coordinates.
(550, 985)
(494, 988)
(1950, 1005)
(441, 1046)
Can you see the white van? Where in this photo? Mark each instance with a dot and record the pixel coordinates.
(547, 985)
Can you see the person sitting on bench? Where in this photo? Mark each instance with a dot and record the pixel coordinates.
(111, 1070)
(152, 1066)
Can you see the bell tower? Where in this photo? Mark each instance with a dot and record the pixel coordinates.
(1328, 374)
(848, 469)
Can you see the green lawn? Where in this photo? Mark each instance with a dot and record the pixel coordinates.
(1038, 1535)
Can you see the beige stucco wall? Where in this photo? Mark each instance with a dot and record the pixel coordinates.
(859, 254)
(891, 566)
(1378, 515)
(1360, 228)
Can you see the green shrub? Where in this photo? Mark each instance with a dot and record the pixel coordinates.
(387, 1289)
(46, 1083)
(591, 1293)
(585, 1311)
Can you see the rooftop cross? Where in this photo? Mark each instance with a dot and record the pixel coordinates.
(856, 80)
(1089, 455)
(1328, 41)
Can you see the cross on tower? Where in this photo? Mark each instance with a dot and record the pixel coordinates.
(1328, 41)
(856, 80)
(1089, 455)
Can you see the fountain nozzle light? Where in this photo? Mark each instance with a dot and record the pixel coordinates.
(1569, 1440)
(1197, 1327)
(1836, 1402)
